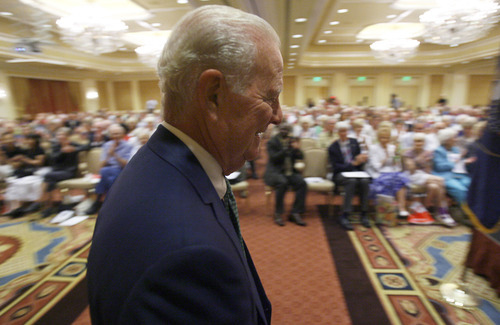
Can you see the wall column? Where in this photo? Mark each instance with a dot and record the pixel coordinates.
(383, 89)
(299, 92)
(424, 91)
(136, 97)
(7, 108)
(111, 95)
(340, 87)
(457, 89)
(89, 104)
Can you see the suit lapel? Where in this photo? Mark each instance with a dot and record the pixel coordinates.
(170, 148)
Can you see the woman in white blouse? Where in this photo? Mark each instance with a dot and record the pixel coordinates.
(385, 168)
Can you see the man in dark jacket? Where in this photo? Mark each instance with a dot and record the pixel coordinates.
(345, 156)
(283, 152)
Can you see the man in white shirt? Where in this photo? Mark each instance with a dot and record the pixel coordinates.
(167, 248)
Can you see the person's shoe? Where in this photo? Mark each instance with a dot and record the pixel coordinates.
(17, 213)
(296, 218)
(94, 208)
(48, 212)
(446, 220)
(365, 221)
(345, 223)
(420, 219)
(403, 214)
(33, 207)
(278, 220)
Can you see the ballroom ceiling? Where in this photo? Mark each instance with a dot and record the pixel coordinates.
(323, 37)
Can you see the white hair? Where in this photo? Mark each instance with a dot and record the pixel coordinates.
(446, 134)
(343, 125)
(210, 37)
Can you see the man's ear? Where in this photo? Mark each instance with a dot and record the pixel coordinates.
(208, 90)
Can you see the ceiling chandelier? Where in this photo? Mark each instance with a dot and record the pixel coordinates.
(149, 54)
(454, 22)
(394, 51)
(91, 30)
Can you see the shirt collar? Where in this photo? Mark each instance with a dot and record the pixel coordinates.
(207, 161)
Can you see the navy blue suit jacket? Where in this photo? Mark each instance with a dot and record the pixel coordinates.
(337, 159)
(164, 249)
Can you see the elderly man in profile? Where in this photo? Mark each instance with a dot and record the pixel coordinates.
(115, 155)
(167, 247)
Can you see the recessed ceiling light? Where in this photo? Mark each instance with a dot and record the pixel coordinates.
(182, 2)
(293, 59)
(300, 20)
(293, 53)
(391, 16)
(297, 36)
(6, 13)
(342, 11)
(322, 41)
(294, 46)
(359, 41)
(453, 45)
(334, 23)
(327, 32)
(156, 24)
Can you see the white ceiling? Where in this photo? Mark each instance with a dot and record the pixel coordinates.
(337, 48)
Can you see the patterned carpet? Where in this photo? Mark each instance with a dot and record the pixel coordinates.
(40, 265)
(434, 255)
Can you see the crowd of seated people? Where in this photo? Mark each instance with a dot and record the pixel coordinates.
(431, 149)
(36, 154)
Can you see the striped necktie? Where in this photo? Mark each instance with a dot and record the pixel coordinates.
(230, 204)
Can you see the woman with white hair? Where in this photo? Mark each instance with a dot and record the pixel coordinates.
(418, 163)
(449, 164)
(384, 166)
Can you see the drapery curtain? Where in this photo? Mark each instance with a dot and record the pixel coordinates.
(50, 96)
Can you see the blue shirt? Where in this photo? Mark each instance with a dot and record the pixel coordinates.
(124, 151)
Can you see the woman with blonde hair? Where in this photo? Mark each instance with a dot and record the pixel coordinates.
(385, 168)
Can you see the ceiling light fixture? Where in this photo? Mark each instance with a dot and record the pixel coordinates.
(459, 21)
(90, 29)
(332, 23)
(297, 36)
(342, 11)
(294, 46)
(393, 51)
(300, 20)
(322, 41)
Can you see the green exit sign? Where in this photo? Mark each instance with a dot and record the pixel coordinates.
(317, 79)
(406, 78)
(361, 78)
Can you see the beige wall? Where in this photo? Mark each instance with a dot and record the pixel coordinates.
(480, 88)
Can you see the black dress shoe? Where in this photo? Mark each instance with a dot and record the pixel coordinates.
(48, 212)
(35, 206)
(295, 217)
(17, 213)
(278, 220)
(94, 208)
(345, 223)
(365, 222)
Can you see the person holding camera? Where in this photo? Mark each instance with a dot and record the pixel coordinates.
(284, 151)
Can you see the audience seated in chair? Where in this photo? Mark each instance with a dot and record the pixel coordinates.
(115, 155)
(346, 156)
(418, 164)
(449, 163)
(283, 152)
(63, 160)
(384, 166)
(24, 187)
